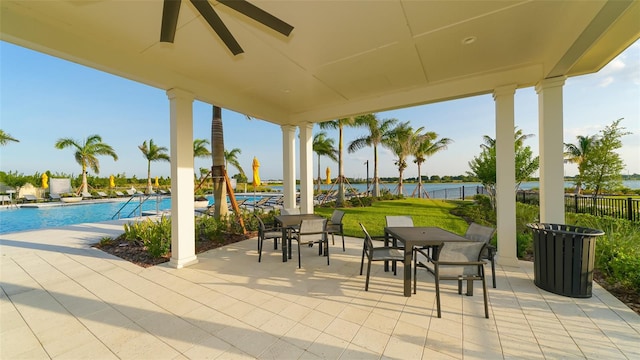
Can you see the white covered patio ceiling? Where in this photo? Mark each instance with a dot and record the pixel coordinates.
(342, 58)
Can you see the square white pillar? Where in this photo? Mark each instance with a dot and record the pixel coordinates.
(306, 169)
(183, 245)
(289, 165)
(506, 175)
(551, 144)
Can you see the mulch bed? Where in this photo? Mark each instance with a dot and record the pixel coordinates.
(138, 254)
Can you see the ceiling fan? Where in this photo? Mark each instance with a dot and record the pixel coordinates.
(171, 9)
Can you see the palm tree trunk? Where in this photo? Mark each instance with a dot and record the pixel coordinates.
(148, 176)
(376, 185)
(319, 177)
(400, 189)
(419, 183)
(221, 208)
(85, 185)
(340, 199)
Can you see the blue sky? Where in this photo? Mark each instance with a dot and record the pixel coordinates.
(43, 98)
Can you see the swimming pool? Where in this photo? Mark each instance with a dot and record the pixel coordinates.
(20, 219)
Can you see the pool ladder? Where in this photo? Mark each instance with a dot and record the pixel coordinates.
(143, 198)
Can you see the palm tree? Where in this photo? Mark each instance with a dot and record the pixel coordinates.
(426, 145)
(231, 157)
(323, 146)
(401, 143)
(200, 150)
(379, 133)
(221, 208)
(5, 138)
(577, 154)
(86, 154)
(340, 124)
(152, 152)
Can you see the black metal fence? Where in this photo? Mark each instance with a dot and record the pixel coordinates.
(616, 207)
(460, 193)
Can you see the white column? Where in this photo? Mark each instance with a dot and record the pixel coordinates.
(183, 252)
(289, 165)
(306, 169)
(551, 150)
(506, 175)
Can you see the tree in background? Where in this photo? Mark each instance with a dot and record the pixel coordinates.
(577, 154)
(426, 145)
(200, 150)
(231, 157)
(152, 152)
(603, 166)
(86, 154)
(323, 146)
(379, 133)
(483, 166)
(340, 124)
(6, 138)
(402, 144)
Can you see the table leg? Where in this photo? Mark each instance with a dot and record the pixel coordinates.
(285, 244)
(407, 270)
(386, 243)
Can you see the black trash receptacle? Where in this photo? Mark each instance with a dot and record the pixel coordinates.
(564, 258)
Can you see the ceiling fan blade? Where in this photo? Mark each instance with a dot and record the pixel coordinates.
(207, 12)
(170, 11)
(259, 15)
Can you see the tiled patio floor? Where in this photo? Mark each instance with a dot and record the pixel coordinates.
(62, 299)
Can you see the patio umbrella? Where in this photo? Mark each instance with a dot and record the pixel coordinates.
(156, 183)
(328, 176)
(256, 176)
(45, 179)
(112, 181)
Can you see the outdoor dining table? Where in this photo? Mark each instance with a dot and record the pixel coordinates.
(287, 223)
(412, 236)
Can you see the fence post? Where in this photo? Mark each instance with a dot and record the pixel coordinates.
(629, 209)
(462, 192)
(575, 201)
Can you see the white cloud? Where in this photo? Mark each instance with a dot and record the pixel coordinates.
(606, 81)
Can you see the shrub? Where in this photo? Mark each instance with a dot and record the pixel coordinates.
(155, 236)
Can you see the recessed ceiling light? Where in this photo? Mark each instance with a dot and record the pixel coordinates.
(286, 91)
(469, 40)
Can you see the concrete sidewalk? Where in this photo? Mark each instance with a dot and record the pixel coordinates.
(63, 299)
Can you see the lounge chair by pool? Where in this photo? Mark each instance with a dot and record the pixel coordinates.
(29, 198)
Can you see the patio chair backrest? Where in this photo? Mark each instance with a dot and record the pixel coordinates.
(368, 243)
(399, 220)
(336, 216)
(479, 233)
(460, 252)
(312, 229)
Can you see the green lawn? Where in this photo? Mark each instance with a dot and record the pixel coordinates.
(424, 212)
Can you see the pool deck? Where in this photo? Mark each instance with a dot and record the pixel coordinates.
(63, 299)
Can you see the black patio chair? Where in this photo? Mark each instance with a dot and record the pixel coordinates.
(380, 253)
(457, 261)
(484, 234)
(264, 233)
(335, 226)
(312, 231)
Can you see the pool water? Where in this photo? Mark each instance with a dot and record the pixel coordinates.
(20, 219)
